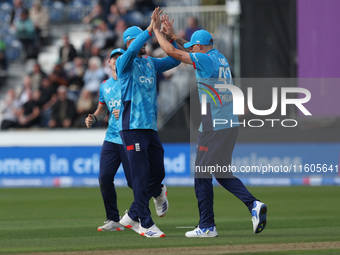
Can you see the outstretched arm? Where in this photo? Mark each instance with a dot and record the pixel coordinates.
(168, 48)
(169, 32)
(126, 60)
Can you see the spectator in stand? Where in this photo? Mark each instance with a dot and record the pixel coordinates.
(145, 6)
(95, 16)
(25, 33)
(96, 52)
(113, 16)
(9, 111)
(142, 9)
(192, 26)
(122, 8)
(106, 4)
(48, 97)
(75, 72)
(47, 92)
(3, 58)
(120, 28)
(102, 37)
(29, 113)
(106, 65)
(36, 76)
(86, 50)
(63, 111)
(63, 1)
(18, 7)
(67, 52)
(58, 76)
(40, 17)
(26, 89)
(85, 105)
(94, 75)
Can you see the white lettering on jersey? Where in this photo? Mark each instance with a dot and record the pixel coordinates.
(143, 79)
(114, 103)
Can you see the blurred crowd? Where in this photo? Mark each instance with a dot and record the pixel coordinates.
(64, 97)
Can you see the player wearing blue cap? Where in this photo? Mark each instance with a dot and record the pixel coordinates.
(138, 126)
(112, 152)
(215, 143)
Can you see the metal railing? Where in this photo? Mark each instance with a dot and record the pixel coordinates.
(210, 17)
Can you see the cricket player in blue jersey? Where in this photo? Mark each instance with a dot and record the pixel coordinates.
(215, 143)
(113, 153)
(138, 125)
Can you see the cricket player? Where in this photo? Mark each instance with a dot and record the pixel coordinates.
(112, 152)
(215, 144)
(138, 125)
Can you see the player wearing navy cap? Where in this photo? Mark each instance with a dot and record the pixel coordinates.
(215, 143)
(138, 126)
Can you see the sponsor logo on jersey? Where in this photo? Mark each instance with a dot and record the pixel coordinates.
(108, 90)
(114, 103)
(223, 61)
(144, 79)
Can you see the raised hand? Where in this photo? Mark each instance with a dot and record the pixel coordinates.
(156, 19)
(168, 28)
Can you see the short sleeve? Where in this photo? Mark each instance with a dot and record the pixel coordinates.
(202, 63)
(101, 94)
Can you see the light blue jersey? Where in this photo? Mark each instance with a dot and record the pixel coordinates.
(137, 77)
(211, 67)
(109, 94)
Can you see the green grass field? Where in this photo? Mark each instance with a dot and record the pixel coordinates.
(66, 219)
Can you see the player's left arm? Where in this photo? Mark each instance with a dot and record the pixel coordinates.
(97, 116)
(101, 110)
(164, 64)
(170, 50)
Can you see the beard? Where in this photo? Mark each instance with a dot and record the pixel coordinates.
(142, 51)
